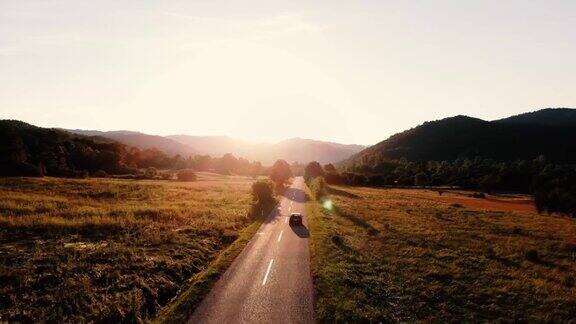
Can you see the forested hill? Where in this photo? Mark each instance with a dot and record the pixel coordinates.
(550, 133)
(27, 150)
(563, 117)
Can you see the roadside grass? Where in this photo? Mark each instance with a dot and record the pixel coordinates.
(110, 250)
(381, 255)
(179, 310)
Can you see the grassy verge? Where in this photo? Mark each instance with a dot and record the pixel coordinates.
(381, 255)
(198, 286)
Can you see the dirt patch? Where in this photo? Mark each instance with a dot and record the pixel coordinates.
(489, 203)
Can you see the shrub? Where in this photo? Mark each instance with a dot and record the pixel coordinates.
(166, 176)
(100, 174)
(186, 175)
(151, 173)
(318, 187)
(262, 191)
(555, 191)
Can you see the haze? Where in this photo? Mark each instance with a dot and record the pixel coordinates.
(347, 71)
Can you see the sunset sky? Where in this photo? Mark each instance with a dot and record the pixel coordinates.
(346, 71)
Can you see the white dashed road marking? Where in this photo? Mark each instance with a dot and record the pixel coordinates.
(267, 272)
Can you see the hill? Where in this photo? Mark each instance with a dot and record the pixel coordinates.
(142, 141)
(549, 132)
(292, 150)
(563, 117)
(29, 150)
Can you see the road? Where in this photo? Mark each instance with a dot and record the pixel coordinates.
(269, 282)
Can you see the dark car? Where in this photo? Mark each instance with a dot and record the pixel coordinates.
(295, 219)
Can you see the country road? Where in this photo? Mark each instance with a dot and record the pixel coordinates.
(269, 282)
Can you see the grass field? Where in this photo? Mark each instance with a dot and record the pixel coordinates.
(110, 250)
(413, 255)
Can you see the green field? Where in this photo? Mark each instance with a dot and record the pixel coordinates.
(384, 255)
(110, 250)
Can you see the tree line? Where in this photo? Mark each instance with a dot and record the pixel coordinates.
(27, 150)
(553, 186)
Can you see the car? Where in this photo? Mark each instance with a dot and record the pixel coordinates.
(295, 219)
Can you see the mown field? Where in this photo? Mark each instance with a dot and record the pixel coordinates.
(109, 250)
(413, 255)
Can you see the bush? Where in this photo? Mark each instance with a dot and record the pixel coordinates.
(186, 175)
(262, 191)
(166, 175)
(151, 173)
(100, 174)
(555, 191)
(318, 187)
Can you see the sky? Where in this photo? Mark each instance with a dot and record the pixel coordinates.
(344, 71)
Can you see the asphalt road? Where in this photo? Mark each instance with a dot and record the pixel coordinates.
(269, 282)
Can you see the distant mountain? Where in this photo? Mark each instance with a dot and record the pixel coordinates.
(214, 145)
(306, 150)
(548, 132)
(291, 150)
(142, 141)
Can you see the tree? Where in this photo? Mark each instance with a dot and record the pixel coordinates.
(227, 164)
(313, 170)
(329, 168)
(555, 190)
(331, 175)
(262, 191)
(280, 173)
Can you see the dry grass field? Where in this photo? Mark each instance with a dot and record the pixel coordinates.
(413, 255)
(109, 250)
